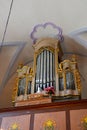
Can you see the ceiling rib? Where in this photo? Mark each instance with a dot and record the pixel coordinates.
(6, 25)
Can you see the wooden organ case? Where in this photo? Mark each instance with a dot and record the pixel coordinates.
(36, 109)
(49, 70)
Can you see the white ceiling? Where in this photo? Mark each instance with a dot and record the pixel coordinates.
(69, 15)
(18, 19)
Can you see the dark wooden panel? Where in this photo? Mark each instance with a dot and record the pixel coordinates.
(58, 120)
(0, 121)
(76, 118)
(21, 122)
(59, 105)
(68, 107)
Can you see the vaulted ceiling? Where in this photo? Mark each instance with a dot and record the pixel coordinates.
(23, 21)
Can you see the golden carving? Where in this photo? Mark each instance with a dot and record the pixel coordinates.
(44, 48)
(22, 72)
(15, 90)
(66, 71)
(70, 66)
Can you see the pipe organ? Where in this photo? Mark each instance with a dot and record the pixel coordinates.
(45, 74)
(48, 71)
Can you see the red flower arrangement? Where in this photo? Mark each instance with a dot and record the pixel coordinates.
(50, 90)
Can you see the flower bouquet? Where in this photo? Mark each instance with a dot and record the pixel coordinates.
(14, 127)
(49, 125)
(50, 90)
(84, 123)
